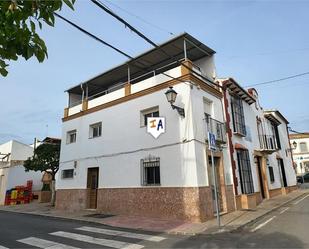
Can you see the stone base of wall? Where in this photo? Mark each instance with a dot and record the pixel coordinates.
(71, 199)
(290, 189)
(187, 203)
(248, 201)
(230, 200)
(45, 196)
(275, 192)
(190, 203)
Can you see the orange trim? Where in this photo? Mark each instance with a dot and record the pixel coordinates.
(164, 85)
(238, 146)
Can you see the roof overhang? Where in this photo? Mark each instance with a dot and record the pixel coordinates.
(272, 118)
(236, 89)
(163, 55)
(279, 114)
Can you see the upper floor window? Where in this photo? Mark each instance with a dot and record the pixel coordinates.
(95, 130)
(71, 137)
(148, 113)
(239, 125)
(303, 147)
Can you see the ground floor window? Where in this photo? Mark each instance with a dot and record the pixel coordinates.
(271, 174)
(245, 173)
(150, 168)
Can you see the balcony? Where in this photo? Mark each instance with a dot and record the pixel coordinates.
(216, 127)
(268, 143)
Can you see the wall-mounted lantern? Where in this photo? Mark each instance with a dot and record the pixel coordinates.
(171, 96)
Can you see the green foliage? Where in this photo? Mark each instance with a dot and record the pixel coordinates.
(19, 21)
(45, 159)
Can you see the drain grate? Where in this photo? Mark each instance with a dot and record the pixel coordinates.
(99, 216)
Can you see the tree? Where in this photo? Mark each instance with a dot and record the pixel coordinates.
(18, 28)
(45, 159)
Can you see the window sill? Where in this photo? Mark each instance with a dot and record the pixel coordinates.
(151, 185)
(94, 137)
(239, 134)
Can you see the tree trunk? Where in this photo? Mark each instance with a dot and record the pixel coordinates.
(53, 192)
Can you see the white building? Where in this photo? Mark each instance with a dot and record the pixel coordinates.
(12, 171)
(259, 147)
(300, 145)
(109, 161)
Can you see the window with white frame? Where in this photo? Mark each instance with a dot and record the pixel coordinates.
(67, 173)
(148, 113)
(303, 147)
(71, 136)
(150, 168)
(238, 116)
(95, 130)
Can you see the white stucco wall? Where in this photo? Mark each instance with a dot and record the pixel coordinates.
(300, 157)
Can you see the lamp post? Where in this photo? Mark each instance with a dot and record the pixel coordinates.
(171, 96)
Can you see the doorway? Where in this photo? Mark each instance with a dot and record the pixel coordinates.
(92, 187)
(281, 165)
(259, 165)
(212, 182)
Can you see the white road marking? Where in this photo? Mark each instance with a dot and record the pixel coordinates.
(3, 247)
(284, 210)
(263, 224)
(122, 233)
(295, 203)
(98, 241)
(42, 243)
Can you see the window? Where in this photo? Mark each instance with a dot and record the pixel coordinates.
(151, 171)
(245, 174)
(95, 130)
(276, 134)
(67, 173)
(303, 147)
(71, 137)
(238, 115)
(271, 174)
(148, 113)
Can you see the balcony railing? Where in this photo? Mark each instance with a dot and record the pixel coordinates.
(268, 143)
(216, 127)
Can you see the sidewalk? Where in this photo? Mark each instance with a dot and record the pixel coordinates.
(229, 222)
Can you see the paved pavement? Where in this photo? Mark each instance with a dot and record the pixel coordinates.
(230, 221)
(285, 227)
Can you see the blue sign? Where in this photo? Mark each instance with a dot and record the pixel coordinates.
(212, 141)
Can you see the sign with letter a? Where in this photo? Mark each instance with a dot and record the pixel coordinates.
(155, 126)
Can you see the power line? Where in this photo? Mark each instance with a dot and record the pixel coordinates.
(278, 80)
(93, 36)
(106, 9)
(110, 46)
(141, 19)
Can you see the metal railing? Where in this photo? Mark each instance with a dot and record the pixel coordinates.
(216, 127)
(268, 142)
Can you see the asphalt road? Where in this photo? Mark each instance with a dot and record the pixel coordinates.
(286, 227)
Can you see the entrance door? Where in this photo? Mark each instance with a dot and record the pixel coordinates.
(283, 173)
(92, 186)
(212, 183)
(259, 165)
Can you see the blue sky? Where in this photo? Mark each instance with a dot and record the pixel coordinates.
(255, 41)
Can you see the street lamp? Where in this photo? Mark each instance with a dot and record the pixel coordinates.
(171, 96)
(294, 144)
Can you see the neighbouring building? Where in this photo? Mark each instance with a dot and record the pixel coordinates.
(12, 171)
(108, 160)
(300, 145)
(260, 152)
